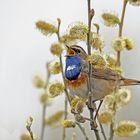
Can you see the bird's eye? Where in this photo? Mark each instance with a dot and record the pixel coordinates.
(77, 51)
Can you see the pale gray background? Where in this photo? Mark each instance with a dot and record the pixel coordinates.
(24, 51)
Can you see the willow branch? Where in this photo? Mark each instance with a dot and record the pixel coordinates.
(111, 130)
(82, 130)
(31, 134)
(90, 66)
(122, 18)
(43, 125)
(65, 117)
(90, 16)
(121, 29)
(44, 106)
(102, 131)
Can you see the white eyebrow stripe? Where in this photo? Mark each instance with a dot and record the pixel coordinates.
(71, 67)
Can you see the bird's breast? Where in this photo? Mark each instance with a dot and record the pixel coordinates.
(81, 80)
(79, 86)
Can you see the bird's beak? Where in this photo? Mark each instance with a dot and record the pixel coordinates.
(70, 52)
(67, 47)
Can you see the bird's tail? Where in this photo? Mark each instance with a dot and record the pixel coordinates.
(129, 82)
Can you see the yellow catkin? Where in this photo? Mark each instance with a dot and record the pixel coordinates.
(56, 49)
(110, 19)
(54, 67)
(129, 43)
(38, 81)
(74, 102)
(69, 123)
(56, 89)
(25, 137)
(46, 28)
(44, 99)
(122, 97)
(126, 128)
(134, 2)
(118, 44)
(55, 118)
(78, 30)
(97, 60)
(80, 106)
(97, 42)
(105, 117)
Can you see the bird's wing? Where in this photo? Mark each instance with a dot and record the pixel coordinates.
(105, 73)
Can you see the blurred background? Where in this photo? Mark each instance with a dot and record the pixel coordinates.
(24, 51)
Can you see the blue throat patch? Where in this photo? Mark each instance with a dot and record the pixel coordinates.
(73, 67)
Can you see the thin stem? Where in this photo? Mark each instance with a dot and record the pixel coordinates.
(121, 29)
(31, 134)
(122, 18)
(44, 105)
(58, 29)
(90, 16)
(111, 131)
(101, 126)
(118, 58)
(90, 66)
(82, 130)
(65, 117)
(102, 131)
(43, 125)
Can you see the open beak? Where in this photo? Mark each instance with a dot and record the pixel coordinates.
(67, 47)
(70, 52)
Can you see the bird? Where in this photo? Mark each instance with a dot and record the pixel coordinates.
(103, 81)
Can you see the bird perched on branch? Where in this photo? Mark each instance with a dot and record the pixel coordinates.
(103, 81)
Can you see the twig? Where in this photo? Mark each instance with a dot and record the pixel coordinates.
(90, 66)
(121, 28)
(28, 127)
(90, 16)
(43, 125)
(65, 117)
(82, 130)
(122, 18)
(44, 106)
(31, 134)
(102, 131)
(111, 130)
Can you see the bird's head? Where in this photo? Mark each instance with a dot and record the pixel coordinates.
(76, 50)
